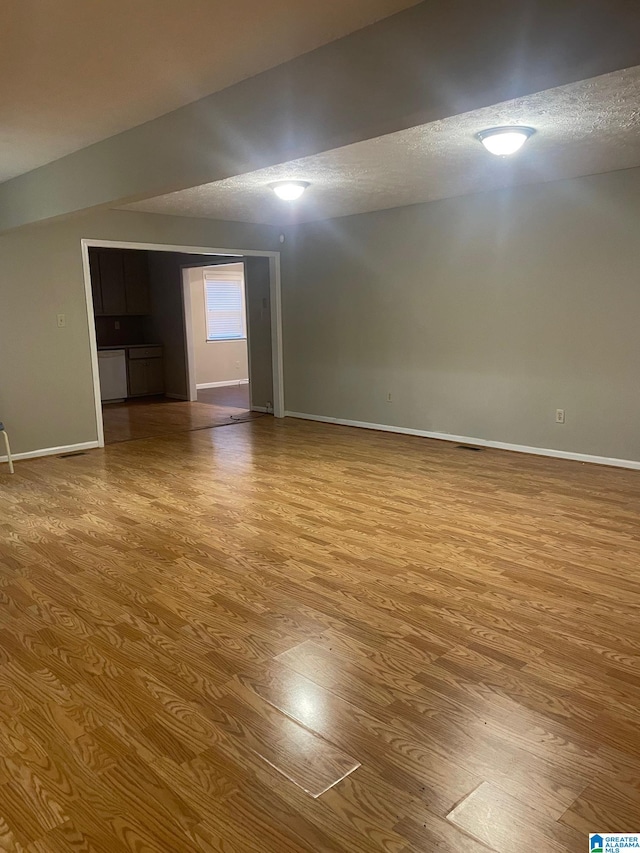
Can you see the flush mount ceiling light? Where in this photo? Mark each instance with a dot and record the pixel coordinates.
(289, 190)
(503, 141)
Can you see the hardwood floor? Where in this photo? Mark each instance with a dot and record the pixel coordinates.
(227, 397)
(290, 636)
(147, 417)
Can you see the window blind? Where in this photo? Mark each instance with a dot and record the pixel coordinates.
(225, 309)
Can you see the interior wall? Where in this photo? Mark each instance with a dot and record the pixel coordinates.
(46, 379)
(215, 361)
(165, 324)
(480, 315)
(258, 295)
(131, 330)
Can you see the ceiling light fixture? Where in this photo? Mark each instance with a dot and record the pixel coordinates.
(289, 190)
(503, 141)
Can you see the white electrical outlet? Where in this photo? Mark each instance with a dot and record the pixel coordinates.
(559, 416)
(62, 321)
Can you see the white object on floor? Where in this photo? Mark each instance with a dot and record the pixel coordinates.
(7, 447)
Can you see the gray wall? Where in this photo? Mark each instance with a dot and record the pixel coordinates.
(426, 63)
(480, 315)
(165, 324)
(46, 383)
(257, 279)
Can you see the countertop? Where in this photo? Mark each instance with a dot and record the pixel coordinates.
(127, 346)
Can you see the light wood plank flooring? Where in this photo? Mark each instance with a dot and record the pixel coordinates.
(286, 636)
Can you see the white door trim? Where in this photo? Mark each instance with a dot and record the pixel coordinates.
(277, 357)
(188, 335)
(227, 383)
(194, 387)
(276, 309)
(93, 343)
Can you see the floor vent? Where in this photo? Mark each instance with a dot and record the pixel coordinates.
(469, 447)
(72, 455)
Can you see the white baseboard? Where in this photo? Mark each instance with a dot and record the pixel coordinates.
(53, 451)
(480, 442)
(259, 409)
(224, 384)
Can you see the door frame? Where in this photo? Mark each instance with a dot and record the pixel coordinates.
(188, 325)
(275, 295)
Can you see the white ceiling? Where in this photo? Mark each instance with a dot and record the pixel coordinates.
(77, 71)
(583, 128)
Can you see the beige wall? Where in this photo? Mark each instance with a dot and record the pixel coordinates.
(46, 382)
(216, 361)
(480, 315)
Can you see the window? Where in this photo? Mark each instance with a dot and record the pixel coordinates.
(224, 306)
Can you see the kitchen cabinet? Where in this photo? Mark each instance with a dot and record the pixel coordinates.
(155, 375)
(112, 282)
(136, 282)
(96, 288)
(119, 282)
(145, 371)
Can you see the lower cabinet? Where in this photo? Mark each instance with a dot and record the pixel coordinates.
(155, 376)
(145, 374)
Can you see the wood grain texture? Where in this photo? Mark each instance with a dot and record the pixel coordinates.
(199, 629)
(154, 416)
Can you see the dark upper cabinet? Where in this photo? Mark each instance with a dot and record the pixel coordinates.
(112, 282)
(136, 281)
(119, 281)
(96, 288)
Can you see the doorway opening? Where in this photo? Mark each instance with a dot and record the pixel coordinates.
(179, 334)
(217, 325)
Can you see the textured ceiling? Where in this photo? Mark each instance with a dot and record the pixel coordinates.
(583, 128)
(77, 71)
